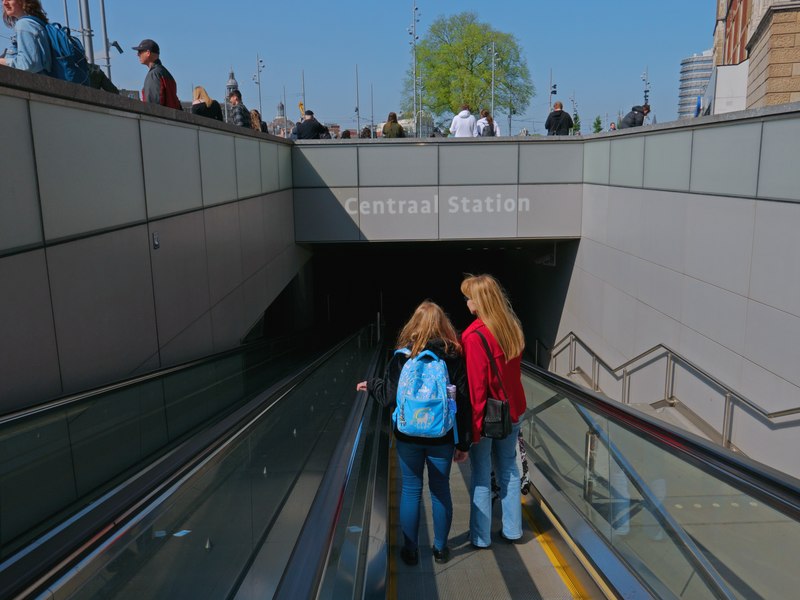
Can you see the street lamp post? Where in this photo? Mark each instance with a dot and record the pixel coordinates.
(257, 79)
(412, 31)
(494, 55)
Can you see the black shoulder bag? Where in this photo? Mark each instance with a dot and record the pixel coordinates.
(496, 417)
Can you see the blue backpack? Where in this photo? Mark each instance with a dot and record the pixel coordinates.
(67, 56)
(423, 409)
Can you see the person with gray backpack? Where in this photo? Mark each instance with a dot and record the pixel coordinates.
(487, 126)
(431, 423)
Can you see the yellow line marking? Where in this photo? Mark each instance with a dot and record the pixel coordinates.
(566, 574)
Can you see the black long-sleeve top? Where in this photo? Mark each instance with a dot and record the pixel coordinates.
(384, 390)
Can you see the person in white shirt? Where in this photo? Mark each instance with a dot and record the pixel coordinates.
(487, 126)
(463, 123)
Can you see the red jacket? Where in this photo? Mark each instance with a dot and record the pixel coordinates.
(482, 381)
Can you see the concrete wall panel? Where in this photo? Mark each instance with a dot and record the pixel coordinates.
(270, 170)
(326, 214)
(223, 245)
(332, 166)
(110, 189)
(103, 306)
(714, 172)
(20, 218)
(406, 213)
(29, 370)
(778, 175)
(668, 161)
(596, 160)
(248, 167)
(478, 164)
(284, 166)
(550, 211)
(218, 167)
(627, 161)
(478, 212)
(775, 269)
(551, 163)
(396, 165)
(171, 156)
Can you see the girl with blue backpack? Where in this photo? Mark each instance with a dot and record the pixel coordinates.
(430, 429)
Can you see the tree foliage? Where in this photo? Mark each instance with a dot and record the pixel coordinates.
(597, 126)
(454, 67)
(576, 120)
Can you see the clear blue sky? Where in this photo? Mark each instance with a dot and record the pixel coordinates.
(596, 50)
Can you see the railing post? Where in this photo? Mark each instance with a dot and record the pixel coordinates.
(727, 421)
(625, 388)
(590, 455)
(571, 354)
(669, 384)
(595, 373)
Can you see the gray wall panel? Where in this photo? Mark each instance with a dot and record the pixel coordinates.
(180, 275)
(270, 171)
(627, 161)
(714, 172)
(556, 162)
(251, 224)
(20, 219)
(478, 212)
(29, 371)
(171, 157)
(110, 191)
(405, 213)
(596, 161)
(218, 167)
(254, 293)
(248, 167)
(228, 322)
(285, 166)
(103, 305)
(326, 215)
(190, 343)
(331, 166)
(778, 175)
(550, 210)
(667, 161)
(478, 163)
(223, 244)
(385, 166)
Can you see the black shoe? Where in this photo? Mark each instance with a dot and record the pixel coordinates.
(410, 557)
(476, 547)
(441, 556)
(509, 540)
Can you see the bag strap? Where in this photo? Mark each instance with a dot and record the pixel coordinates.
(493, 364)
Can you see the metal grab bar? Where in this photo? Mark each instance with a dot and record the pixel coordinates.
(571, 341)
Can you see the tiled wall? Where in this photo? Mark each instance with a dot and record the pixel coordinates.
(88, 297)
(689, 239)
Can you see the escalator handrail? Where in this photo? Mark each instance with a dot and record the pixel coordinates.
(127, 383)
(37, 565)
(304, 571)
(776, 489)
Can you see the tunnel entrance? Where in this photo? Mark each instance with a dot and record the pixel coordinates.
(352, 283)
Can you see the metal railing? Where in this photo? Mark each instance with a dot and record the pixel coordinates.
(623, 373)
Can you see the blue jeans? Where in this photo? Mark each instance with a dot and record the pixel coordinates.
(413, 458)
(507, 474)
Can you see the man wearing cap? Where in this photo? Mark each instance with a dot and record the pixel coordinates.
(310, 128)
(159, 85)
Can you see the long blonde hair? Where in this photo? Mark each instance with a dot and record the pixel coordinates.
(428, 323)
(201, 94)
(494, 309)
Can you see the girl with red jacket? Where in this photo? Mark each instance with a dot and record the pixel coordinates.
(501, 328)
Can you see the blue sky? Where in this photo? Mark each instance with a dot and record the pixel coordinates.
(597, 50)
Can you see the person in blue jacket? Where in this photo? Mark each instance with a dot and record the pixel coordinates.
(30, 48)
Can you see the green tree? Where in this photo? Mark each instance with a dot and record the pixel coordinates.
(576, 123)
(454, 67)
(597, 126)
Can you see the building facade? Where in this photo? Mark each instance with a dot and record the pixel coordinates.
(695, 73)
